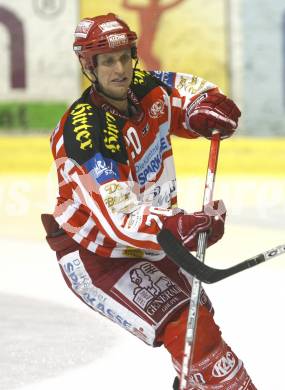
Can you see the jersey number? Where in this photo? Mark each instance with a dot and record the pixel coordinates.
(132, 138)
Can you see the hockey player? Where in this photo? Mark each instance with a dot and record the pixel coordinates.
(117, 189)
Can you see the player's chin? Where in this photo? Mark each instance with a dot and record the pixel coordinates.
(120, 92)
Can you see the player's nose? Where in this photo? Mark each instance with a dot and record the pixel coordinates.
(119, 67)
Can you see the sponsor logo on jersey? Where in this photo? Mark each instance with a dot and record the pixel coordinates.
(133, 252)
(161, 195)
(116, 40)
(135, 220)
(157, 109)
(118, 197)
(166, 77)
(82, 285)
(139, 77)
(224, 365)
(111, 134)
(192, 84)
(102, 169)
(150, 290)
(118, 203)
(78, 277)
(113, 187)
(79, 119)
(83, 28)
(197, 378)
(110, 26)
(151, 162)
(139, 333)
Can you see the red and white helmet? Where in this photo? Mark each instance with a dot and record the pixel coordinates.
(101, 34)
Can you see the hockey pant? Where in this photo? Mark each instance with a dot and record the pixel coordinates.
(150, 300)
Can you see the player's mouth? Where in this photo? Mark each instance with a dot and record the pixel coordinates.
(120, 81)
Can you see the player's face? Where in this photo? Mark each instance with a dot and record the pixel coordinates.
(114, 72)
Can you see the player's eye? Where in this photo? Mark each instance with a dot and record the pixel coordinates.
(108, 61)
(125, 58)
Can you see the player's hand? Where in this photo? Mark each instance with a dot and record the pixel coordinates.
(210, 111)
(186, 227)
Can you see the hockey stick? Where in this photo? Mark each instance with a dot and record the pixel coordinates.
(189, 263)
(196, 284)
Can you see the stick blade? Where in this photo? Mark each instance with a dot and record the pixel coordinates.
(189, 263)
(184, 259)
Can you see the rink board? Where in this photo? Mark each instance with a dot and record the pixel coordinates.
(243, 156)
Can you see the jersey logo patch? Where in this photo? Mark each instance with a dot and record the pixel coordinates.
(116, 40)
(102, 169)
(150, 290)
(110, 26)
(157, 109)
(166, 77)
(83, 28)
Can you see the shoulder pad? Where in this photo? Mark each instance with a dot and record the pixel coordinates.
(89, 130)
(111, 137)
(144, 82)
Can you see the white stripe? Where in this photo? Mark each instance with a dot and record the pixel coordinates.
(248, 383)
(66, 215)
(167, 101)
(85, 230)
(55, 132)
(176, 102)
(59, 144)
(77, 237)
(68, 165)
(100, 239)
(92, 247)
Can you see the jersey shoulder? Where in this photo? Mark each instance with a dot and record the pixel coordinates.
(144, 82)
(89, 130)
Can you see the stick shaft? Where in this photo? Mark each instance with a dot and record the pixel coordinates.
(196, 284)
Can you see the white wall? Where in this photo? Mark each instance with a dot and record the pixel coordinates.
(52, 70)
(257, 51)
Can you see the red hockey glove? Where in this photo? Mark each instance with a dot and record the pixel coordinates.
(213, 111)
(186, 227)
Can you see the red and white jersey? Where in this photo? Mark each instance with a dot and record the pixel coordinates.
(116, 173)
